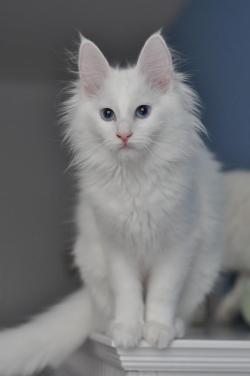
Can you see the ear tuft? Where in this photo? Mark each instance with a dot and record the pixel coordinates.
(155, 62)
(93, 66)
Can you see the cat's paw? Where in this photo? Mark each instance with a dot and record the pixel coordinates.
(126, 335)
(159, 335)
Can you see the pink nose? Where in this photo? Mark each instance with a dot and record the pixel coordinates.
(124, 137)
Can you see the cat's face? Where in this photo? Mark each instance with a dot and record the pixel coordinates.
(125, 111)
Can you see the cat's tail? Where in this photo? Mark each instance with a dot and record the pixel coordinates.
(48, 338)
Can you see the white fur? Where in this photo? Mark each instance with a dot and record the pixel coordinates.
(48, 338)
(237, 221)
(149, 215)
(237, 240)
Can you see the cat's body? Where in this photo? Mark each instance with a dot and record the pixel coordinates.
(149, 210)
(159, 226)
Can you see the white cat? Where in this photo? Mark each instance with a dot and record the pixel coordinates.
(149, 211)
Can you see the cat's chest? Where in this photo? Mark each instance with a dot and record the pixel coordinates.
(134, 212)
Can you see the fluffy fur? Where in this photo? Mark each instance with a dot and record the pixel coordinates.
(237, 241)
(148, 217)
(237, 221)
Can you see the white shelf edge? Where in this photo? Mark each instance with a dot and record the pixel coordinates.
(186, 356)
(181, 343)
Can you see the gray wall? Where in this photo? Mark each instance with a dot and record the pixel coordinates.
(36, 192)
(35, 34)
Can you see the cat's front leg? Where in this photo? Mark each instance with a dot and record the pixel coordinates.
(92, 266)
(164, 287)
(127, 325)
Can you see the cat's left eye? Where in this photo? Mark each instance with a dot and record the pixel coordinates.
(107, 114)
(142, 111)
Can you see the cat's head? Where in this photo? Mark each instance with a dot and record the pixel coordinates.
(132, 112)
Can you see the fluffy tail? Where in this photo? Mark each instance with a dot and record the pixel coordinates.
(48, 338)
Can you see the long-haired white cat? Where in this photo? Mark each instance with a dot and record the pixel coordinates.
(148, 217)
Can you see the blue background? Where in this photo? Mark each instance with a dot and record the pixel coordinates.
(214, 40)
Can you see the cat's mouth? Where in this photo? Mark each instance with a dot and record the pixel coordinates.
(126, 147)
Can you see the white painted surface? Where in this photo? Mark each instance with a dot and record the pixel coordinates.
(203, 357)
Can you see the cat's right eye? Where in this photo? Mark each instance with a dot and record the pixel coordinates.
(107, 114)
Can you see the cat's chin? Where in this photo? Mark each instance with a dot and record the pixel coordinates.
(127, 151)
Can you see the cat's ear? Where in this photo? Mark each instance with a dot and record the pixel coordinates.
(155, 62)
(93, 67)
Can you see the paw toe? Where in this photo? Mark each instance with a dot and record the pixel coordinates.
(126, 336)
(159, 335)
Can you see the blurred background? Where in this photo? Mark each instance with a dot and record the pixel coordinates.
(212, 40)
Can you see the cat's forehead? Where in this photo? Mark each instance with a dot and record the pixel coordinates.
(125, 87)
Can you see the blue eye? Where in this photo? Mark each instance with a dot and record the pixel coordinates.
(142, 111)
(107, 114)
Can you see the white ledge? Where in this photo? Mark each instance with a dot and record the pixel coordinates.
(99, 356)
